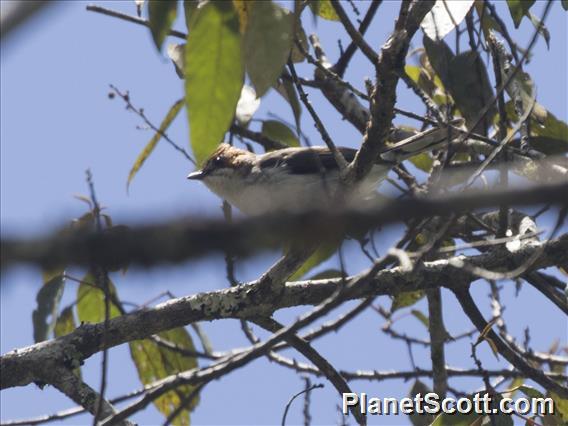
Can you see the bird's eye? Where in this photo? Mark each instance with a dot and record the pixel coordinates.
(218, 161)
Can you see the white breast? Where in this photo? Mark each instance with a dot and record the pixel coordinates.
(262, 193)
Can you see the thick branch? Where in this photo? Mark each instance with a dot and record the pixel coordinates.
(389, 66)
(192, 238)
(81, 393)
(26, 365)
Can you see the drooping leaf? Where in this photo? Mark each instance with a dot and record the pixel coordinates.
(48, 297)
(279, 132)
(560, 406)
(154, 362)
(406, 298)
(422, 161)
(492, 345)
(457, 419)
(91, 301)
(465, 78)
(472, 419)
(324, 252)
(530, 391)
(444, 17)
(213, 75)
(542, 30)
(518, 9)
(149, 148)
(247, 105)
(287, 90)
(323, 9)
(429, 83)
(419, 419)
(162, 14)
(189, 10)
(420, 316)
(66, 324)
(296, 54)
(440, 56)
(549, 135)
(267, 43)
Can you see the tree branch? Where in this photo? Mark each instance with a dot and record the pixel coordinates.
(517, 360)
(193, 238)
(383, 99)
(26, 365)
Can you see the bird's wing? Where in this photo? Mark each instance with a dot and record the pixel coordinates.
(302, 161)
(420, 142)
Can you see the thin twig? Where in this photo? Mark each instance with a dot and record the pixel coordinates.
(129, 18)
(355, 35)
(341, 64)
(102, 276)
(140, 112)
(306, 391)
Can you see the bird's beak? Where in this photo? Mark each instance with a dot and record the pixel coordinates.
(196, 175)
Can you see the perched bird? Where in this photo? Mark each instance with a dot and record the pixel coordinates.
(299, 179)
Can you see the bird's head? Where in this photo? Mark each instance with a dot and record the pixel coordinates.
(225, 162)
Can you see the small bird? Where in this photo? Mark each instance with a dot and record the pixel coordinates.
(299, 179)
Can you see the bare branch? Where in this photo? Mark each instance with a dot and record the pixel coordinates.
(25, 365)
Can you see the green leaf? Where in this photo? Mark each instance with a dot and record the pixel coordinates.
(149, 148)
(48, 298)
(421, 76)
(287, 90)
(91, 301)
(323, 9)
(326, 275)
(279, 132)
(296, 54)
(189, 11)
(407, 298)
(463, 75)
(542, 30)
(419, 315)
(472, 419)
(154, 362)
(530, 391)
(550, 135)
(267, 43)
(420, 419)
(518, 9)
(66, 324)
(564, 4)
(422, 161)
(213, 75)
(162, 14)
(440, 57)
(560, 406)
(324, 252)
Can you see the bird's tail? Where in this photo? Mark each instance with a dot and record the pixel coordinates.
(421, 142)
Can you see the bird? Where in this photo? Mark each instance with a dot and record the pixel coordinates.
(300, 179)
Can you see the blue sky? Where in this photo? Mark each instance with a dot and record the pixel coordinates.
(57, 121)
